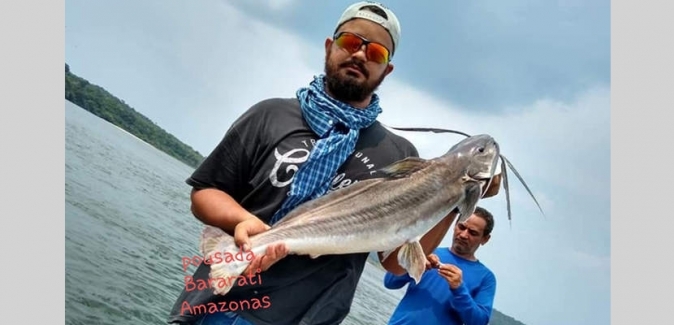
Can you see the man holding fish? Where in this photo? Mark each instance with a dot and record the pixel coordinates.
(320, 144)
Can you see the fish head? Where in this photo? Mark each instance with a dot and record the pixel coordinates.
(478, 155)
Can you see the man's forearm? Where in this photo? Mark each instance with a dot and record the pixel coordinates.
(470, 311)
(217, 208)
(395, 281)
(429, 242)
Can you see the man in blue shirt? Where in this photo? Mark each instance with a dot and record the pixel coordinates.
(457, 288)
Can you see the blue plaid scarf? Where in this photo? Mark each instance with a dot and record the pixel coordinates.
(323, 113)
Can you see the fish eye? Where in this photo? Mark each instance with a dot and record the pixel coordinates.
(480, 149)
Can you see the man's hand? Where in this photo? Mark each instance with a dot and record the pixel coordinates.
(493, 187)
(451, 274)
(273, 254)
(432, 261)
(249, 227)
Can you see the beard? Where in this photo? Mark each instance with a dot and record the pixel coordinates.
(460, 247)
(347, 88)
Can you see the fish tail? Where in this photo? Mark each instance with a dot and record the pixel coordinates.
(214, 243)
(412, 258)
(225, 275)
(212, 238)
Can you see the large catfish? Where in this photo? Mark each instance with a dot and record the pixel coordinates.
(375, 215)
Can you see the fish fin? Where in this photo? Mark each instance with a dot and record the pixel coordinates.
(314, 255)
(412, 258)
(210, 237)
(467, 206)
(404, 167)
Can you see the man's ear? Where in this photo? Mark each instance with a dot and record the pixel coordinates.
(328, 43)
(486, 239)
(389, 69)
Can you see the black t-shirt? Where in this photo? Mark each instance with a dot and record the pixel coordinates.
(255, 163)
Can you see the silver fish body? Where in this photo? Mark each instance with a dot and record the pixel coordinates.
(375, 215)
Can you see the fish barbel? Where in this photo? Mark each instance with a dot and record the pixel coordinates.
(374, 215)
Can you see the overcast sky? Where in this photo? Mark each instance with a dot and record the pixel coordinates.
(534, 74)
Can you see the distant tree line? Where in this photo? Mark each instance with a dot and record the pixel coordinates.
(499, 318)
(101, 103)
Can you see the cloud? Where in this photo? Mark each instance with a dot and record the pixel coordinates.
(589, 262)
(483, 54)
(279, 4)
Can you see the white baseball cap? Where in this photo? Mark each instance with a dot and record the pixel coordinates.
(390, 23)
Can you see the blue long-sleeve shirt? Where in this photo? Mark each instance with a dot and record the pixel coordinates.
(432, 301)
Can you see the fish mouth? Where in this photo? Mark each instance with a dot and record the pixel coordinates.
(492, 170)
(483, 176)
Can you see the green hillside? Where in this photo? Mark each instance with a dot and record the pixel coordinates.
(101, 103)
